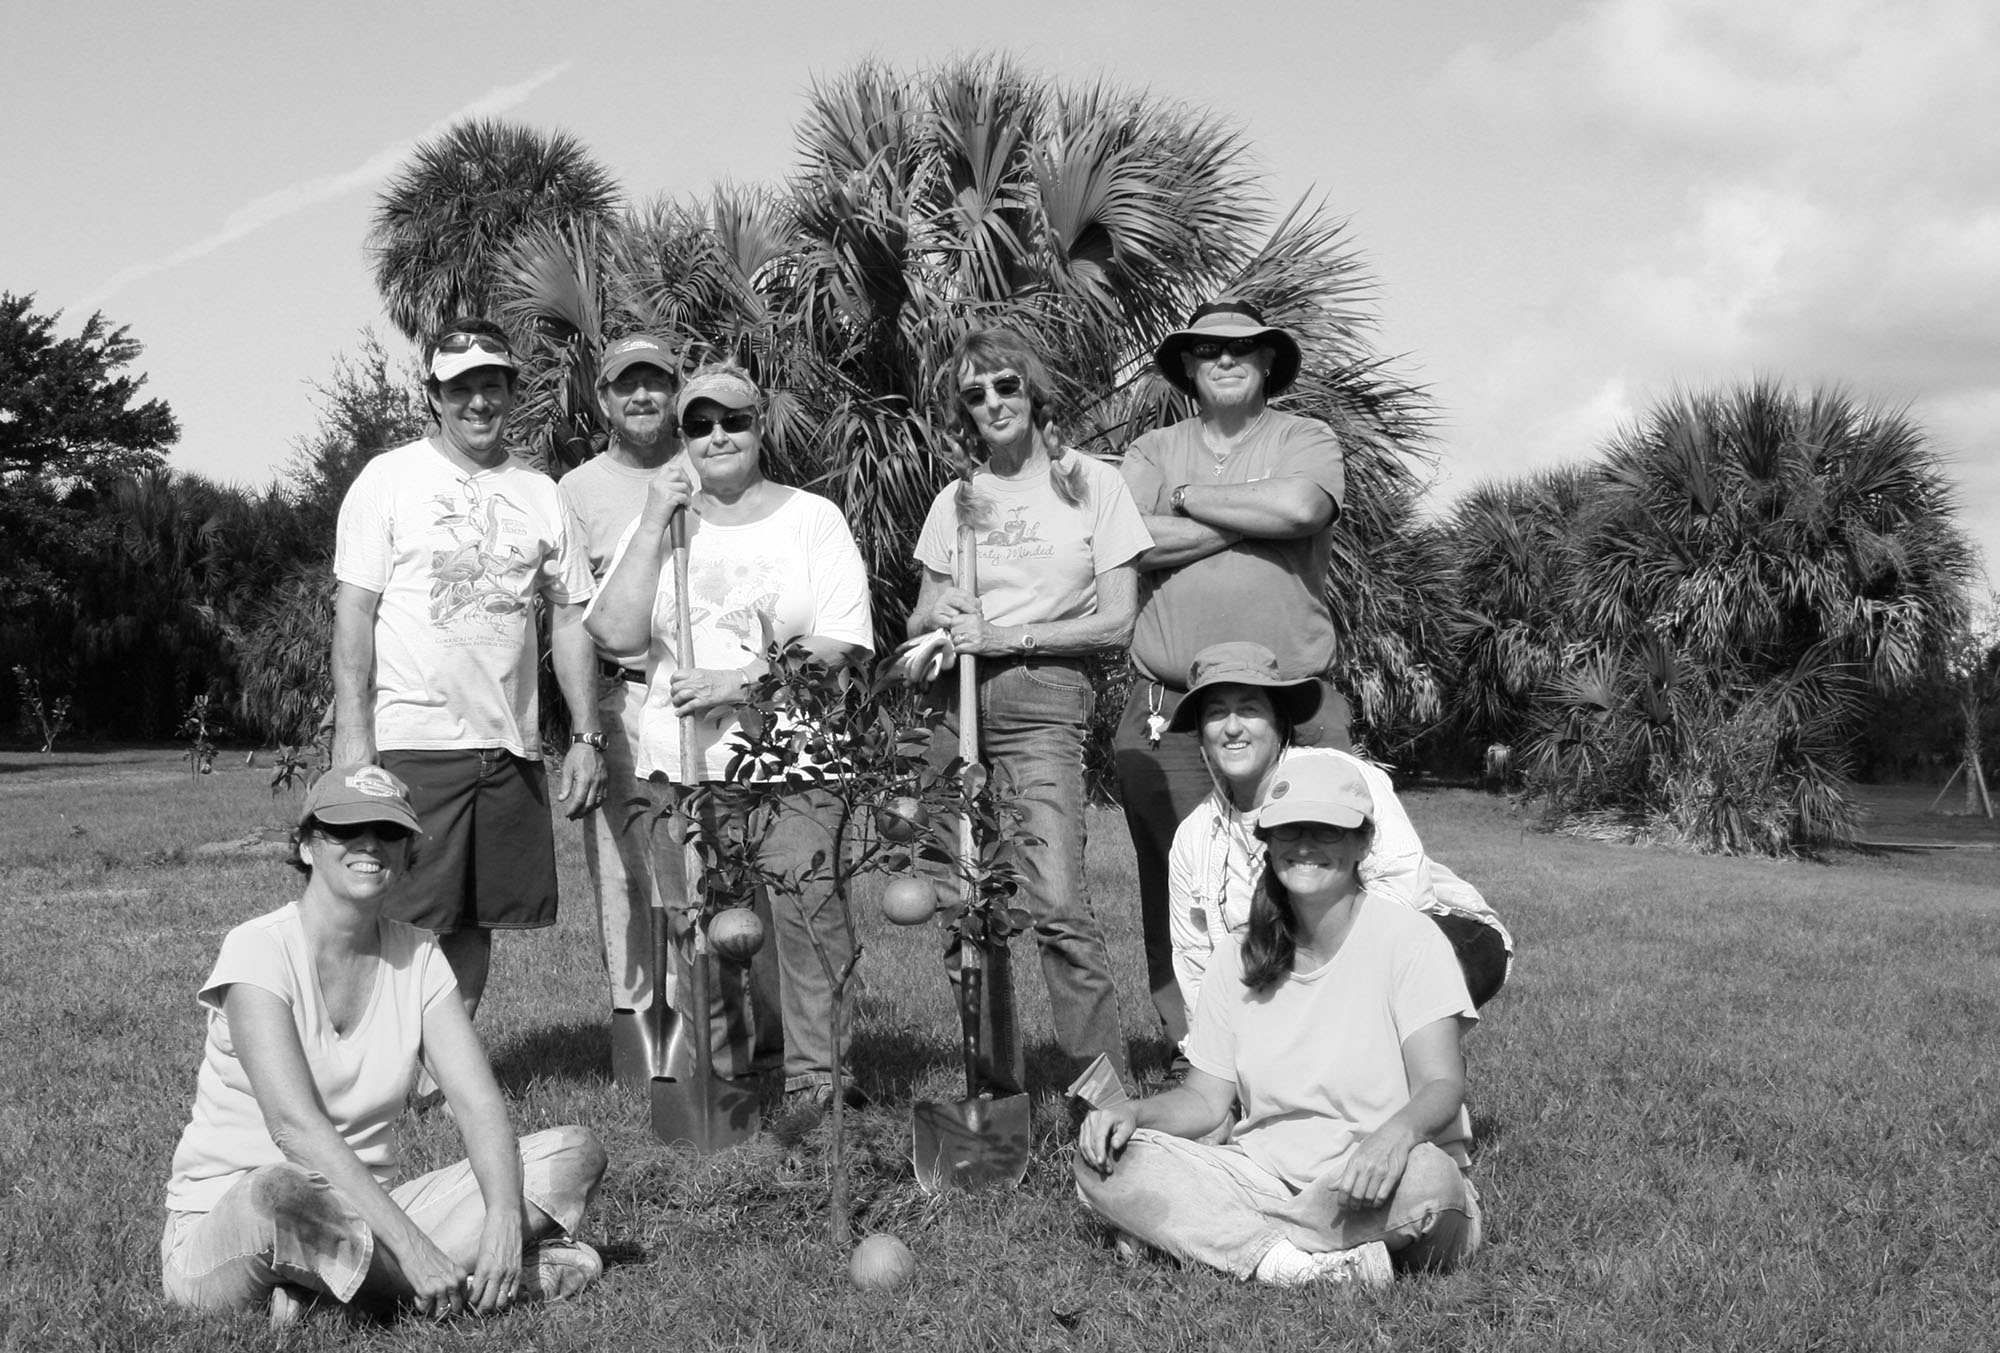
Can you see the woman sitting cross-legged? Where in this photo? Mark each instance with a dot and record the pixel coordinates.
(1335, 1023)
(318, 1014)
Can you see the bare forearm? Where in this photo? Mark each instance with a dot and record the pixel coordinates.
(309, 1141)
(1180, 1112)
(1268, 509)
(574, 659)
(1085, 634)
(1180, 540)
(353, 663)
(621, 619)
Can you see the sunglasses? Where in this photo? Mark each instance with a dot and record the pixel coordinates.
(1003, 387)
(1293, 832)
(467, 342)
(1209, 349)
(698, 425)
(388, 833)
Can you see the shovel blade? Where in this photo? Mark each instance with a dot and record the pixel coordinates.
(632, 1052)
(710, 1117)
(975, 1143)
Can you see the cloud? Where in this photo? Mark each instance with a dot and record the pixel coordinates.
(1810, 192)
(294, 198)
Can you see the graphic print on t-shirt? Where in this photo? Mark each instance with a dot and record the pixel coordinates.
(1015, 538)
(480, 573)
(738, 595)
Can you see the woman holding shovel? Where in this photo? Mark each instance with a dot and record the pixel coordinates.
(1054, 534)
(763, 563)
(1335, 1023)
(318, 1015)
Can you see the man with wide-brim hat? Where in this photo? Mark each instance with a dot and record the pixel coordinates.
(637, 379)
(1240, 499)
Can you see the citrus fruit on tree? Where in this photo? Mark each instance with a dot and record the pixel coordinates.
(909, 901)
(900, 819)
(736, 934)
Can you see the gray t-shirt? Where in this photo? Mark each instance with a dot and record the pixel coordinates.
(1271, 592)
(604, 497)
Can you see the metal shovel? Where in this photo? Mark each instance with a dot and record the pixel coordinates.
(983, 1139)
(707, 1111)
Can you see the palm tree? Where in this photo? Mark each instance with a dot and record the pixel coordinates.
(1723, 589)
(1093, 219)
(449, 216)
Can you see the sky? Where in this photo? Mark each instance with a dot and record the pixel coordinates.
(1573, 208)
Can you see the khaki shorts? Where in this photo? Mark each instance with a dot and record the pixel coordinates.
(487, 854)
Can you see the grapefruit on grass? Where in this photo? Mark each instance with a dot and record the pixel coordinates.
(881, 1264)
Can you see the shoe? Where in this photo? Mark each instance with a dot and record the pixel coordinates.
(288, 1305)
(1286, 1265)
(559, 1269)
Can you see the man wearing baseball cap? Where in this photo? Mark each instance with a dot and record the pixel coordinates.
(635, 392)
(1240, 500)
(444, 549)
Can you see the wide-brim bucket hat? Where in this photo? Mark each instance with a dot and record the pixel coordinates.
(1243, 663)
(1222, 319)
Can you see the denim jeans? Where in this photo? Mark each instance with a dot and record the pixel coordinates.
(785, 1000)
(286, 1224)
(618, 853)
(1159, 786)
(1033, 714)
(1216, 1206)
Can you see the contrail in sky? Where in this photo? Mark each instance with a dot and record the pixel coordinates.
(295, 198)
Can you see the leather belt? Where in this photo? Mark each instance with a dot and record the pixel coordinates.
(605, 667)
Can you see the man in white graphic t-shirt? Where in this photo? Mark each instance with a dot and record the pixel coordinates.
(444, 549)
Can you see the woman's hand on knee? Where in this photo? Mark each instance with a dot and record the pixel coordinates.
(496, 1273)
(1104, 1133)
(437, 1283)
(1374, 1169)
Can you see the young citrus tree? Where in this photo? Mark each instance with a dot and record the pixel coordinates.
(864, 739)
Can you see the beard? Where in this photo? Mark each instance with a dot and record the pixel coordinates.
(639, 434)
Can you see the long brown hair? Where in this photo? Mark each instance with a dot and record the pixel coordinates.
(995, 349)
(1273, 940)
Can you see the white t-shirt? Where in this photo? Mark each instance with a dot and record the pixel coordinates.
(362, 1078)
(1318, 1059)
(1038, 557)
(1216, 859)
(459, 559)
(797, 570)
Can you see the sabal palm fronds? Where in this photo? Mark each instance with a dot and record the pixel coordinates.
(1738, 570)
(448, 218)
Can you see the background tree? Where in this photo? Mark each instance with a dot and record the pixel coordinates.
(1686, 634)
(448, 217)
(70, 427)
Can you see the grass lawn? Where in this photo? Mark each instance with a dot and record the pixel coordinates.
(1722, 1104)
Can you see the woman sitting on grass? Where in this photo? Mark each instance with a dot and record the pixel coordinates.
(1336, 1025)
(317, 1015)
(1244, 714)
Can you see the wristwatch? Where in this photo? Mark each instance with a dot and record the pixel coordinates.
(1179, 501)
(1027, 640)
(589, 740)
